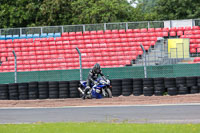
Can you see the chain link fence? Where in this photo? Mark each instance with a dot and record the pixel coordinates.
(173, 70)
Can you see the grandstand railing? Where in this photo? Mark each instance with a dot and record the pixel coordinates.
(89, 27)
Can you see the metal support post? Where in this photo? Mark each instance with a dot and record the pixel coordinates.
(15, 66)
(126, 26)
(20, 30)
(104, 26)
(62, 29)
(83, 28)
(80, 61)
(145, 61)
(41, 30)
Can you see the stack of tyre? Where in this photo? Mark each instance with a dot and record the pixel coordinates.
(73, 89)
(13, 91)
(53, 89)
(3, 91)
(198, 83)
(33, 90)
(116, 87)
(43, 89)
(170, 84)
(23, 91)
(127, 87)
(181, 85)
(137, 86)
(148, 86)
(159, 86)
(63, 89)
(192, 84)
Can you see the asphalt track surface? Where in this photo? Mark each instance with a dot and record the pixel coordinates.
(189, 113)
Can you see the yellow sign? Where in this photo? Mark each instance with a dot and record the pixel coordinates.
(179, 48)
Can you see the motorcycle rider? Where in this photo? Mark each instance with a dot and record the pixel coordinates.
(92, 77)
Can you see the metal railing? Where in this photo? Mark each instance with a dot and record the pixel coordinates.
(159, 55)
(82, 28)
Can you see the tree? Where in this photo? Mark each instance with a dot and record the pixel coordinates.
(178, 9)
(101, 11)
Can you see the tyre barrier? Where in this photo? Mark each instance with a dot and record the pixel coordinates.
(73, 91)
(126, 87)
(33, 91)
(137, 86)
(159, 87)
(116, 87)
(63, 89)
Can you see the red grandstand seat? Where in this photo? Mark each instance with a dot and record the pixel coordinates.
(143, 30)
(115, 31)
(179, 33)
(79, 37)
(99, 32)
(2, 41)
(172, 33)
(122, 31)
(94, 36)
(9, 41)
(158, 30)
(129, 31)
(71, 34)
(136, 30)
(151, 29)
(65, 34)
(43, 39)
(72, 38)
(196, 32)
(198, 41)
(165, 29)
(108, 32)
(192, 41)
(165, 34)
(192, 50)
(79, 33)
(193, 45)
(86, 33)
(198, 50)
(59, 39)
(93, 32)
(195, 28)
(188, 32)
(159, 34)
(187, 28)
(173, 29)
(180, 28)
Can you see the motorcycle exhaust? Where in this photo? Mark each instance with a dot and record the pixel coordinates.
(80, 90)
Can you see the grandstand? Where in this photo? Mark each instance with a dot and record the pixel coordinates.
(111, 48)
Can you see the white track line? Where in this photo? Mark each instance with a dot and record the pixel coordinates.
(96, 106)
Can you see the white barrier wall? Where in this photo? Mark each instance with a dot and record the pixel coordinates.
(178, 23)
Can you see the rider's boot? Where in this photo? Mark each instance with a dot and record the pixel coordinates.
(85, 92)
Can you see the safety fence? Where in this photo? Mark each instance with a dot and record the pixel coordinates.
(101, 26)
(173, 70)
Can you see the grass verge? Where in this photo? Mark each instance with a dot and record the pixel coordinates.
(93, 127)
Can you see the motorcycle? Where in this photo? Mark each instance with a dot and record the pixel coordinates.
(100, 90)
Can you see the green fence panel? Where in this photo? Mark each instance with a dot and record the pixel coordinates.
(177, 70)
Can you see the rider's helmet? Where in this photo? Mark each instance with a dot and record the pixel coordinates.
(96, 69)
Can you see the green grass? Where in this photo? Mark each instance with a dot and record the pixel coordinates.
(92, 127)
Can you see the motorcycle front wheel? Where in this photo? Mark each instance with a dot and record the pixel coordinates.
(108, 93)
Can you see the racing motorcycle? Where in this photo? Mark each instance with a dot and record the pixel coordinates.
(100, 90)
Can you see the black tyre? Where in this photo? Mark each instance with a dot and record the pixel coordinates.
(191, 81)
(172, 91)
(170, 82)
